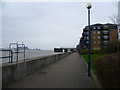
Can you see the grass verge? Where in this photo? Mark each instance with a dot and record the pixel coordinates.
(92, 57)
(106, 67)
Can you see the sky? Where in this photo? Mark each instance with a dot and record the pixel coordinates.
(47, 25)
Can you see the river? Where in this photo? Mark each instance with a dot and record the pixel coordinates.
(28, 54)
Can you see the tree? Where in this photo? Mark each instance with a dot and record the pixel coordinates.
(116, 20)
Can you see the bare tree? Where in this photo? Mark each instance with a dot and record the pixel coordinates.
(116, 20)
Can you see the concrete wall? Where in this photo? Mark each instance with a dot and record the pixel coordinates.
(15, 71)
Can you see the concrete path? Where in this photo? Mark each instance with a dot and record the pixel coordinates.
(69, 72)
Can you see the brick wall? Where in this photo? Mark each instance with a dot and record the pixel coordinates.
(113, 36)
(94, 38)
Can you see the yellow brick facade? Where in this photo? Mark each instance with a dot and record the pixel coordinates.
(113, 35)
(95, 39)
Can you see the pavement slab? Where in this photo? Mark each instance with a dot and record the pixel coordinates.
(69, 72)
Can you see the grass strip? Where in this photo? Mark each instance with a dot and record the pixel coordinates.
(92, 57)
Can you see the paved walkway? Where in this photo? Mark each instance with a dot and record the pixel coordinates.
(69, 72)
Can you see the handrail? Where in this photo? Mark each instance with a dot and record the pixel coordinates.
(11, 52)
(17, 48)
(10, 55)
(24, 49)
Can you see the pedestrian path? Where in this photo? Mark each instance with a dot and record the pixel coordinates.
(69, 72)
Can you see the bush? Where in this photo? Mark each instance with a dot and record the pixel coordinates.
(85, 51)
(112, 48)
(108, 70)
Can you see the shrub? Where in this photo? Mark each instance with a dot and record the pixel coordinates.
(108, 70)
(85, 51)
(112, 48)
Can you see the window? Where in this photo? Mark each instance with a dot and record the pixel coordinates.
(94, 42)
(105, 42)
(94, 48)
(86, 28)
(105, 32)
(98, 27)
(87, 42)
(94, 27)
(85, 33)
(99, 42)
(99, 37)
(105, 26)
(98, 32)
(94, 32)
(86, 38)
(105, 37)
(94, 37)
(98, 48)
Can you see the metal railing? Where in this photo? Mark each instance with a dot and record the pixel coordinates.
(10, 55)
(11, 52)
(23, 45)
(16, 48)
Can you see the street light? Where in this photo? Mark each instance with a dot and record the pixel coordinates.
(89, 6)
(118, 36)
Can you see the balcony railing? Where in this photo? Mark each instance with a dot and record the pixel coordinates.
(105, 32)
(105, 37)
(105, 42)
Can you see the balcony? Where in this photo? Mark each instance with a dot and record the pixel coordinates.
(105, 32)
(86, 29)
(105, 42)
(105, 37)
(86, 38)
(105, 27)
(85, 34)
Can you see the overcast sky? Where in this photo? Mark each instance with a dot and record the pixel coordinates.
(47, 25)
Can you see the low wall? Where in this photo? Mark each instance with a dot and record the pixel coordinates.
(15, 71)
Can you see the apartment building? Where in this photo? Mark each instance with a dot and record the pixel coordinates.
(101, 36)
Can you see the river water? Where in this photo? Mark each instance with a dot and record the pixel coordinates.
(28, 54)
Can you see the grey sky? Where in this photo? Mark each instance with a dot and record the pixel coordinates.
(47, 25)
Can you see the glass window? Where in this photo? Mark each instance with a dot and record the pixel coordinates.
(98, 27)
(105, 41)
(105, 26)
(94, 27)
(99, 37)
(94, 42)
(98, 42)
(87, 42)
(85, 33)
(98, 32)
(105, 32)
(105, 37)
(86, 38)
(98, 48)
(94, 32)
(94, 37)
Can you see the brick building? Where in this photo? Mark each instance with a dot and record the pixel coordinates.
(101, 36)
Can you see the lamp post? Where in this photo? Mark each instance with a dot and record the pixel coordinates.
(118, 37)
(89, 6)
